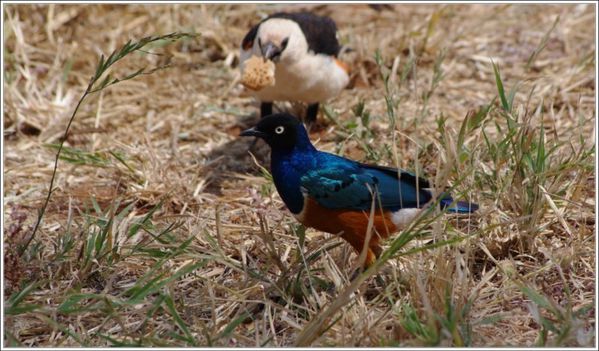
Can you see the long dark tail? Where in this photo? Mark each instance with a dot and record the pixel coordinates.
(457, 206)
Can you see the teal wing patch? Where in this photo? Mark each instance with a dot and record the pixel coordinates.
(339, 188)
(352, 188)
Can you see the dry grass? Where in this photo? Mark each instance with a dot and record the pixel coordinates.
(163, 231)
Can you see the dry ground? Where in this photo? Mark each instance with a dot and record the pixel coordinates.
(162, 230)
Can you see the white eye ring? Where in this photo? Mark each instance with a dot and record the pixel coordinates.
(279, 129)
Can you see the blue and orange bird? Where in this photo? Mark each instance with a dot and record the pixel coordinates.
(335, 194)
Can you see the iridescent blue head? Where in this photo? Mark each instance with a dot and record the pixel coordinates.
(292, 155)
(282, 132)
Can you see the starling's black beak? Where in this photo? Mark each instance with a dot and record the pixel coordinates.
(270, 51)
(253, 132)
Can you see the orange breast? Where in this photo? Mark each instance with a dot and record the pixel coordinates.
(352, 225)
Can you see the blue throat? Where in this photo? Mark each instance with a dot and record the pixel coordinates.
(289, 165)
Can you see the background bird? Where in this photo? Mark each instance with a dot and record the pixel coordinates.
(335, 194)
(304, 48)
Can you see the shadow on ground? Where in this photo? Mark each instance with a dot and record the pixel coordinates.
(234, 156)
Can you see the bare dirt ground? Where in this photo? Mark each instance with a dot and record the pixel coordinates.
(163, 230)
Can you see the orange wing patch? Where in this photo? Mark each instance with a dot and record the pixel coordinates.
(352, 225)
(343, 65)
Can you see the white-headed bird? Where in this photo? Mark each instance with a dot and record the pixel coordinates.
(304, 49)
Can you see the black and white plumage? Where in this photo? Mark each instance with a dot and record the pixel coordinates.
(304, 48)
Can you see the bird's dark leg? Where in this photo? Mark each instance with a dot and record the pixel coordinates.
(356, 273)
(312, 113)
(265, 109)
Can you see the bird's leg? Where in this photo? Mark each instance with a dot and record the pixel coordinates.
(265, 109)
(311, 114)
(357, 242)
(356, 273)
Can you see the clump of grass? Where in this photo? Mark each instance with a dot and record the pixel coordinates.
(101, 245)
(95, 85)
(525, 163)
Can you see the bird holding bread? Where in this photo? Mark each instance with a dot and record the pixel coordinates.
(293, 57)
(335, 194)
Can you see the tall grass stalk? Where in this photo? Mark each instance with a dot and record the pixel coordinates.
(95, 85)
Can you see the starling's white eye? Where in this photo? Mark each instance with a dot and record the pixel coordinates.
(279, 129)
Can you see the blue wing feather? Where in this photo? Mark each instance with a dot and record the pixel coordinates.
(344, 184)
(453, 206)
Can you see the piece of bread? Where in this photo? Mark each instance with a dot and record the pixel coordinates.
(258, 73)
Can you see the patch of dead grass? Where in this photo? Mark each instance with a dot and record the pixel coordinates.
(177, 132)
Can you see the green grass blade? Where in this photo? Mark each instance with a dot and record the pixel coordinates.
(504, 102)
(170, 306)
